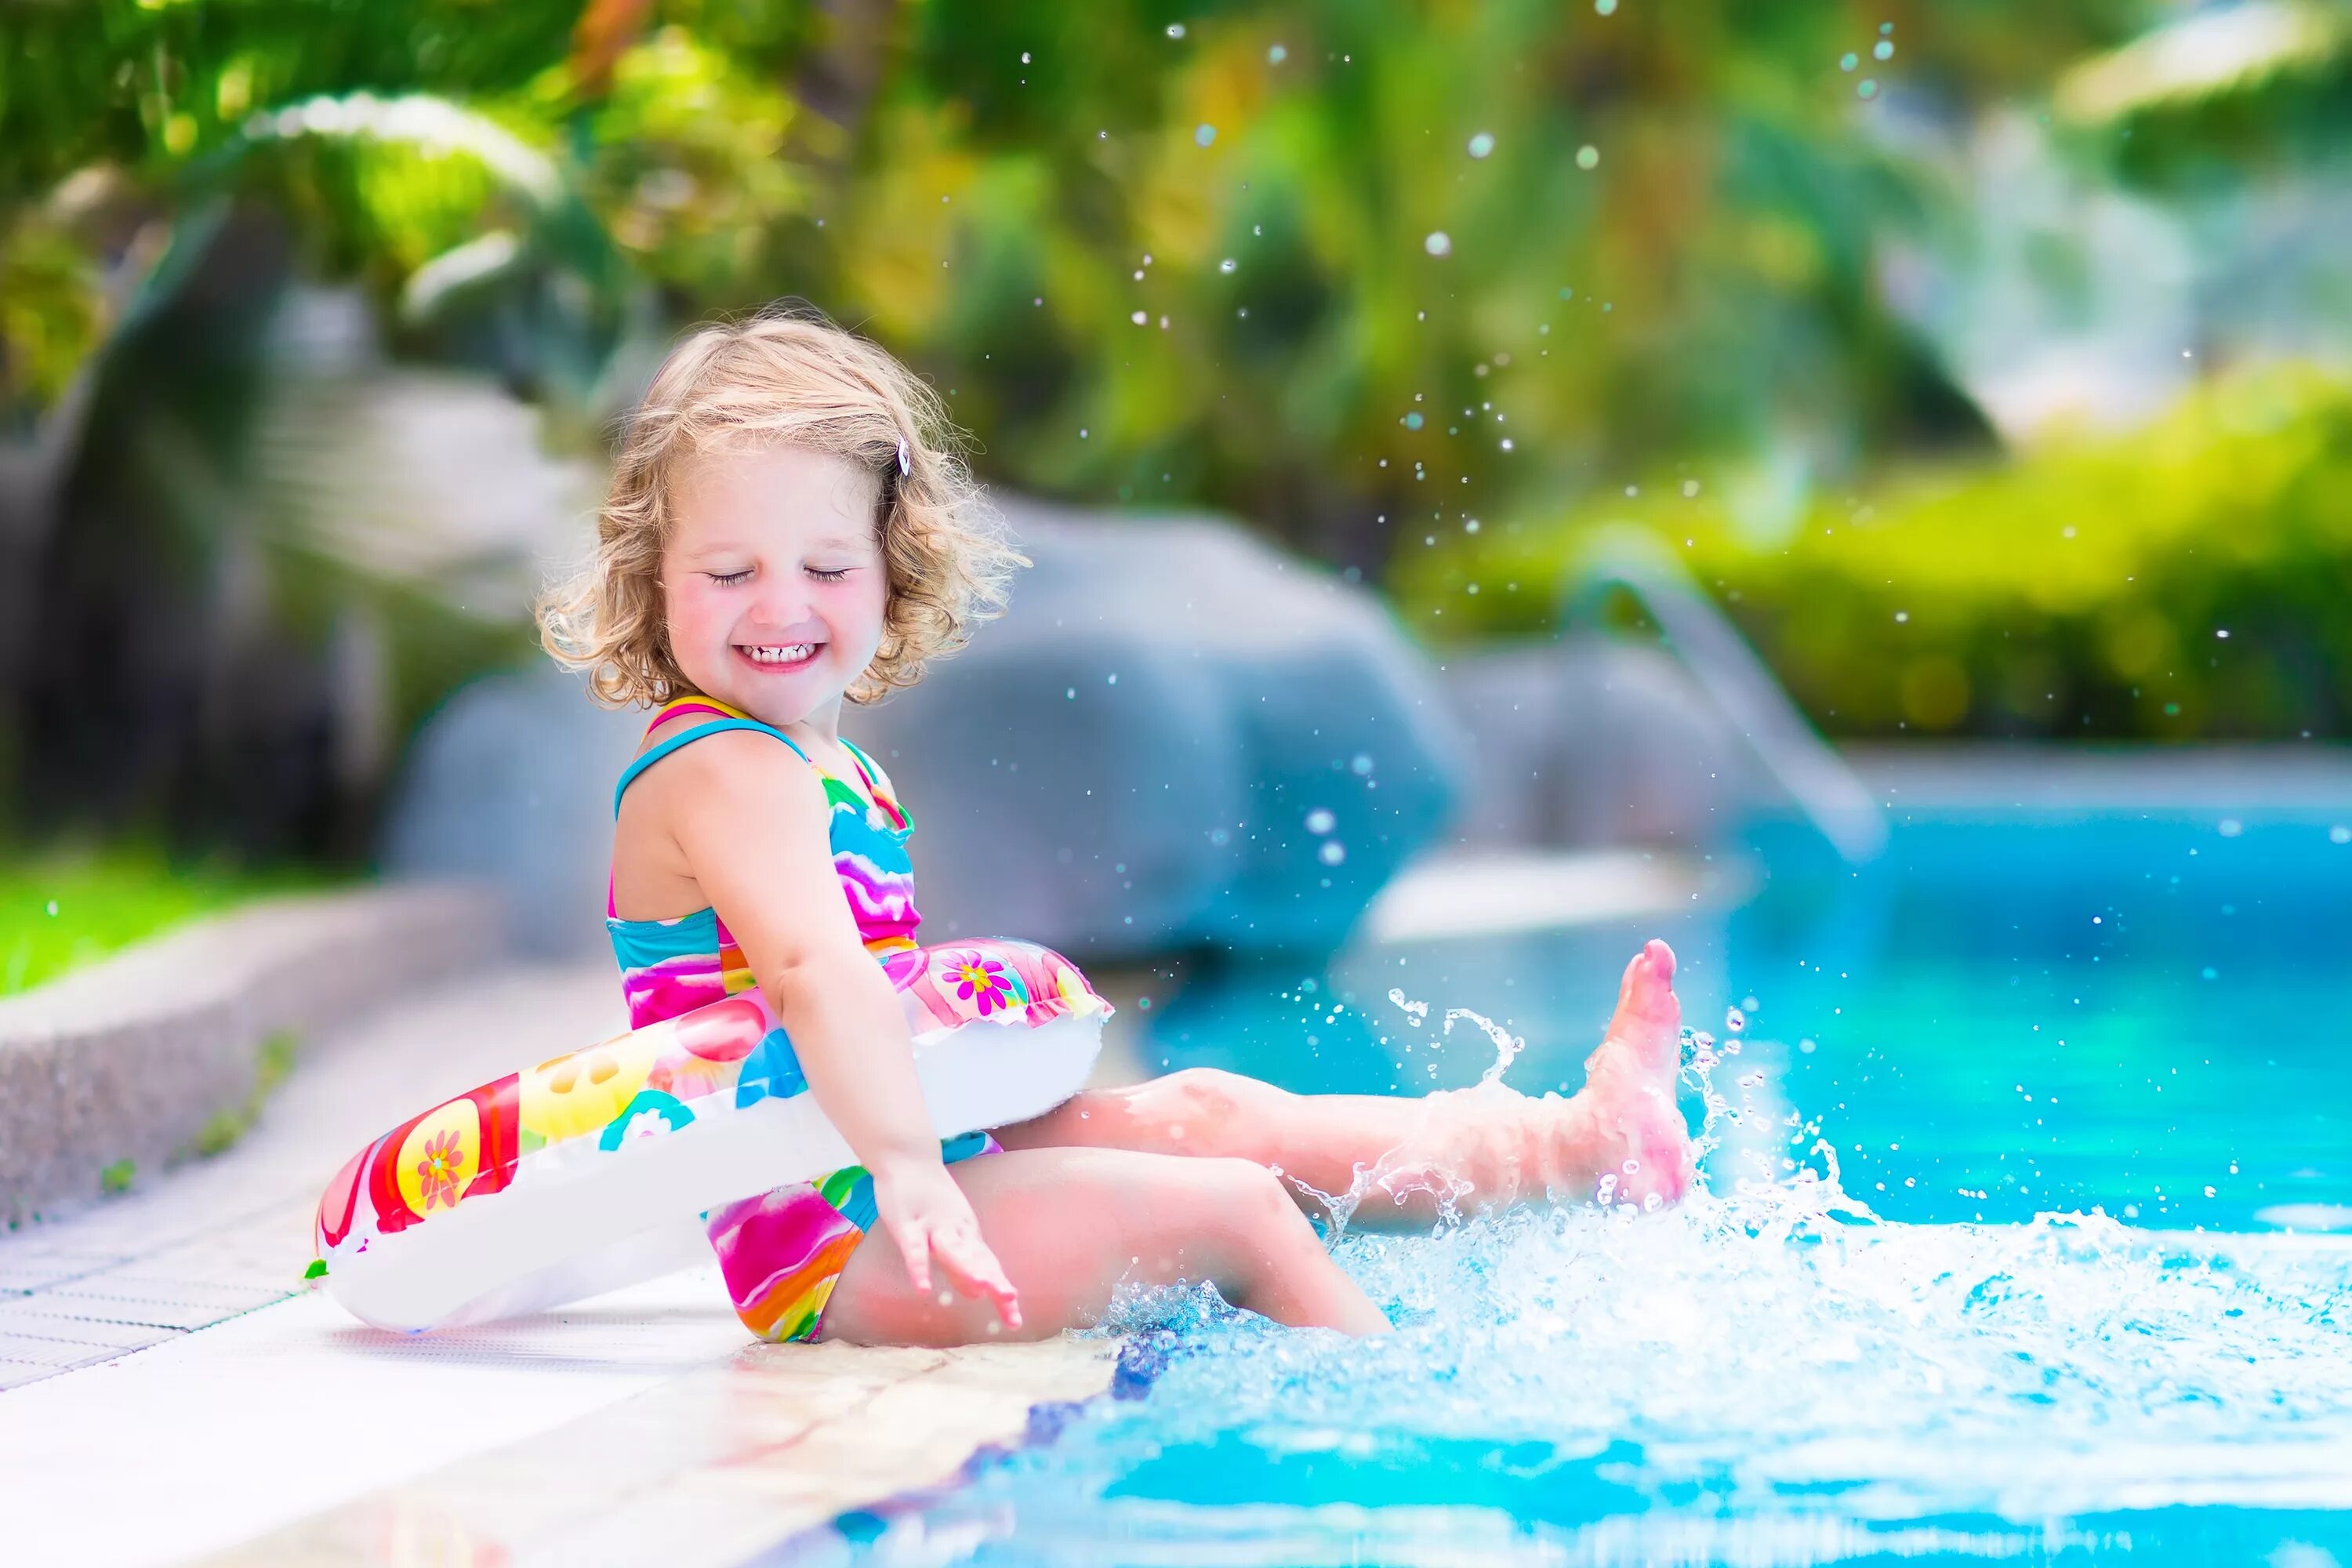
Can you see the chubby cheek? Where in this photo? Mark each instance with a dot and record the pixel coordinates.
(853, 611)
(696, 623)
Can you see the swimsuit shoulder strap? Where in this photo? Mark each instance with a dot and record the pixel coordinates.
(867, 765)
(728, 718)
(878, 783)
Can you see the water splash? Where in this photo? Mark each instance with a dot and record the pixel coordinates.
(1768, 1373)
(1507, 1046)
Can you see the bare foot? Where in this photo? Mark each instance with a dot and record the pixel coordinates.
(1620, 1138)
(1635, 1131)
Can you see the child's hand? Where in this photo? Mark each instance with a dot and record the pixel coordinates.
(929, 1216)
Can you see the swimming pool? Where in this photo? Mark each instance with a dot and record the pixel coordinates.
(2081, 1078)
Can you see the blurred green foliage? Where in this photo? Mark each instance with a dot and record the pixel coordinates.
(1651, 229)
(63, 908)
(1361, 271)
(2192, 580)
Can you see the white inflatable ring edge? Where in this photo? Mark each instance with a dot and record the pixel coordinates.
(637, 1211)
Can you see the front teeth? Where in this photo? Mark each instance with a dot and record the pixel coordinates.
(790, 653)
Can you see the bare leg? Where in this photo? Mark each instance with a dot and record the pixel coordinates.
(1068, 1223)
(1489, 1146)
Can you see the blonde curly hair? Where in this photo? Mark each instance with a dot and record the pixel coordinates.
(786, 374)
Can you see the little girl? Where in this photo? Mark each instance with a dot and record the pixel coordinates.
(789, 531)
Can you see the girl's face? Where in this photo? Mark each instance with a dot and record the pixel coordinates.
(773, 578)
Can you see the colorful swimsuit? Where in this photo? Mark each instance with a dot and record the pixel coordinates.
(782, 1252)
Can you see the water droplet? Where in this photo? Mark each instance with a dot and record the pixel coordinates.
(1588, 156)
(1438, 244)
(1203, 134)
(1362, 765)
(1883, 49)
(1276, 54)
(1849, 60)
(1412, 421)
(1605, 8)
(1175, 29)
(2230, 828)
(1332, 852)
(1806, 1046)
(1734, 1020)
(2340, 834)
(1866, 89)
(1227, 265)
(1024, 56)
(1320, 820)
(2210, 972)
(1481, 144)
(1631, 1166)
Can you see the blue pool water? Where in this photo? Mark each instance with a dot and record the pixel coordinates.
(2029, 1236)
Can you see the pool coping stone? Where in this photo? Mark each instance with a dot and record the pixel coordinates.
(113, 1072)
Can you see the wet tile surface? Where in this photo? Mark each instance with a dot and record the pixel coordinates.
(639, 1428)
(711, 1467)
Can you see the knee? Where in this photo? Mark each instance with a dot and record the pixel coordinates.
(1254, 1199)
(1207, 1111)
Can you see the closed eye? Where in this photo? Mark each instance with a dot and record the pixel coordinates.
(833, 575)
(729, 579)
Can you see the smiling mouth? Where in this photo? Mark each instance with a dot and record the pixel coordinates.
(778, 656)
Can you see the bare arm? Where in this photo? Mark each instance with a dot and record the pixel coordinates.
(751, 822)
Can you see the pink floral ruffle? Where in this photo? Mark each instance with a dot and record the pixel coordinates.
(992, 979)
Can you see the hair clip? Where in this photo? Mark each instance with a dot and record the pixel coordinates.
(902, 456)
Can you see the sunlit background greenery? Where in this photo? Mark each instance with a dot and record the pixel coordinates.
(1987, 360)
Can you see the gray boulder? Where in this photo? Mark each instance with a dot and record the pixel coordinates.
(1176, 738)
(1589, 742)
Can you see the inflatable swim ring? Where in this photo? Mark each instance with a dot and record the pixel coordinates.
(592, 1170)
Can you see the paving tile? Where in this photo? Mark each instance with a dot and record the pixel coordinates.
(714, 1456)
(150, 1307)
(1039, 1371)
(61, 1355)
(141, 1281)
(694, 1524)
(31, 1321)
(28, 1267)
(247, 1259)
(17, 1373)
(390, 1530)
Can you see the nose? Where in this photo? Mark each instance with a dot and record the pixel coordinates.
(784, 612)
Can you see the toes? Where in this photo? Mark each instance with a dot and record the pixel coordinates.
(1648, 977)
(1647, 1013)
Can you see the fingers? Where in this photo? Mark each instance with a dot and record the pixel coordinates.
(915, 1249)
(929, 1219)
(964, 1261)
(973, 1268)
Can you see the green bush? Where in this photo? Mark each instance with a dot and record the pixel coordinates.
(65, 907)
(2190, 580)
